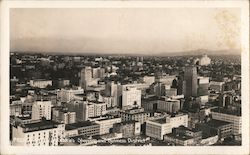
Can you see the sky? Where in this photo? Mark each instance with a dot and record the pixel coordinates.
(123, 30)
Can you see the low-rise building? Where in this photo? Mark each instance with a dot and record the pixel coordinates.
(106, 122)
(63, 116)
(215, 127)
(231, 117)
(128, 128)
(67, 95)
(85, 128)
(157, 128)
(195, 134)
(135, 114)
(182, 140)
(40, 83)
(216, 86)
(161, 104)
(15, 109)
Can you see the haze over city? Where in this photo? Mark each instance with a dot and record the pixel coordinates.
(124, 31)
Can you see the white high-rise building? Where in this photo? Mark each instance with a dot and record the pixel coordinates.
(202, 91)
(205, 60)
(41, 109)
(93, 109)
(131, 96)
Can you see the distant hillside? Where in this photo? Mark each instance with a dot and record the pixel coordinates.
(203, 51)
(165, 54)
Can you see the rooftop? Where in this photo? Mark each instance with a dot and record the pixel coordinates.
(160, 120)
(154, 98)
(79, 125)
(42, 125)
(189, 129)
(24, 117)
(127, 122)
(217, 123)
(226, 111)
(96, 102)
(103, 119)
(41, 80)
(179, 136)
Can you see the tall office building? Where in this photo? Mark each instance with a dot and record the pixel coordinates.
(111, 91)
(86, 77)
(190, 81)
(41, 109)
(180, 85)
(93, 109)
(202, 90)
(131, 97)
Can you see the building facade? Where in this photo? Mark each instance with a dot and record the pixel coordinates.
(131, 96)
(128, 128)
(235, 119)
(40, 83)
(190, 81)
(41, 109)
(43, 133)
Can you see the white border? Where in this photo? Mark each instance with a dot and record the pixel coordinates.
(7, 149)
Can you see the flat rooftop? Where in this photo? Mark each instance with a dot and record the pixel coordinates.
(127, 122)
(160, 120)
(217, 123)
(42, 125)
(154, 98)
(79, 125)
(105, 117)
(178, 136)
(189, 129)
(96, 102)
(226, 111)
(24, 117)
(41, 80)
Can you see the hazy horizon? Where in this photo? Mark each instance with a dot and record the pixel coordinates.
(124, 31)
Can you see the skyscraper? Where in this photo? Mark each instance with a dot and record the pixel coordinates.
(190, 81)
(111, 91)
(86, 77)
(131, 96)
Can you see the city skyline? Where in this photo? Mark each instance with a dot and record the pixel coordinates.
(61, 100)
(124, 31)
